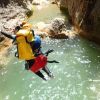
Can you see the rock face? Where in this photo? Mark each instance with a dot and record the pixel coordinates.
(85, 16)
(10, 17)
(4, 3)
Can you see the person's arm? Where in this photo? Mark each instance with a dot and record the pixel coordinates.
(49, 51)
(10, 36)
(53, 61)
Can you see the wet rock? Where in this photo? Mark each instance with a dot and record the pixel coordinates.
(35, 2)
(1, 38)
(4, 52)
(59, 36)
(55, 29)
(41, 26)
(3, 61)
(40, 2)
(61, 3)
(57, 25)
(53, 2)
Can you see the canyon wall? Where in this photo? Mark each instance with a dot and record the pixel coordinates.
(85, 16)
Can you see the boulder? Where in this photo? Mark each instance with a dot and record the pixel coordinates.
(55, 29)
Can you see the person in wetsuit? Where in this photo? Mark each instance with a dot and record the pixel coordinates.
(36, 48)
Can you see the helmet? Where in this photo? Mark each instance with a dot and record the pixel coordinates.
(37, 42)
(26, 26)
(23, 23)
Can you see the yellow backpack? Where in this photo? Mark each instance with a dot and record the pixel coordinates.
(23, 37)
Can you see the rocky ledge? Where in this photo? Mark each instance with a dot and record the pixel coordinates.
(57, 29)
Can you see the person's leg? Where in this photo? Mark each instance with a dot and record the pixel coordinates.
(46, 69)
(29, 63)
(41, 75)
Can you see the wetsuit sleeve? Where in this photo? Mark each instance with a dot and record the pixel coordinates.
(10, 36)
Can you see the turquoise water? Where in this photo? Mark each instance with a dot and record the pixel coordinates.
(46, 14)
(77, 76)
